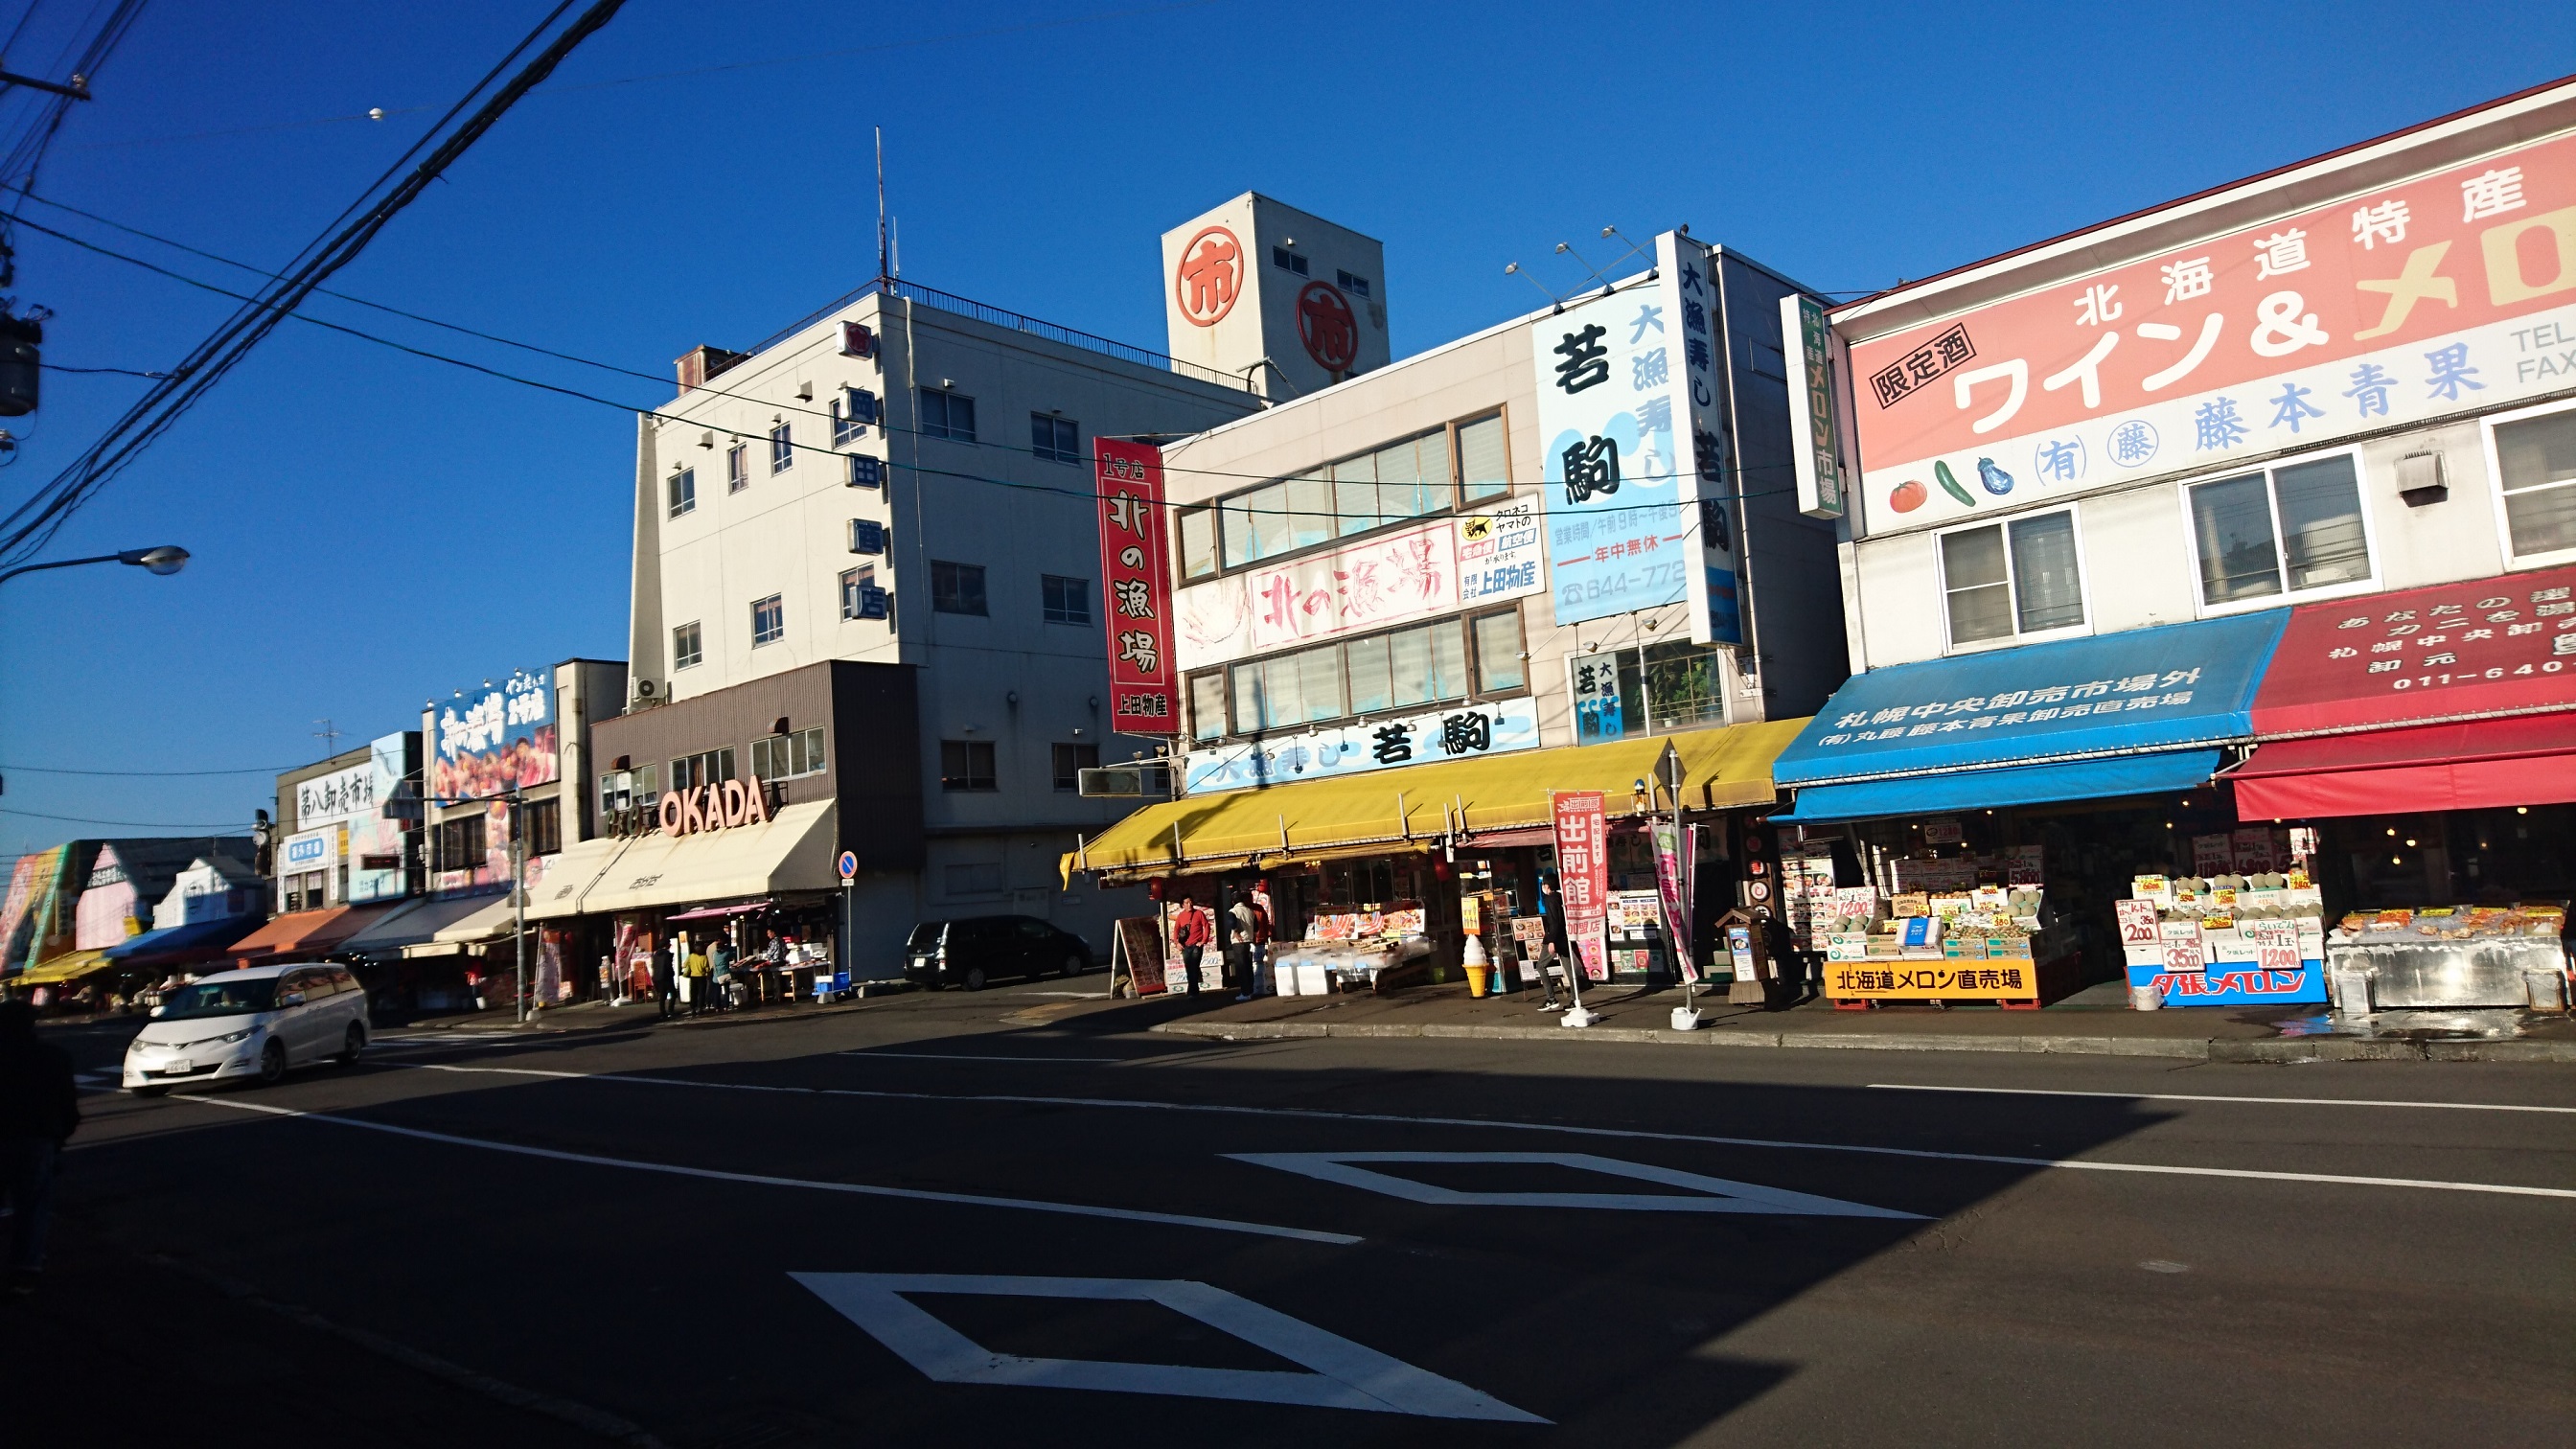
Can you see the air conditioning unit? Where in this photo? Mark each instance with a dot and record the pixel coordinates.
(1150, 780)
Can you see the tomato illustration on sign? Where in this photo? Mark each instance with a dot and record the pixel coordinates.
(1908, 496)
(1326, 326)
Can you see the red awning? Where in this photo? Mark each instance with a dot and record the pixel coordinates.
(2474, 650)
(304, 933)
(2524, 760)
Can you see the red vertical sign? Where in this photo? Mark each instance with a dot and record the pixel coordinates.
(1135, 573)
(1582, 857)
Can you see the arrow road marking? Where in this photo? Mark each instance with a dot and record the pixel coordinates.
(1343, 1374)
(1705, 1195)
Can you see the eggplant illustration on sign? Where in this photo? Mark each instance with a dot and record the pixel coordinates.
(1950, 484)
(1997, 481)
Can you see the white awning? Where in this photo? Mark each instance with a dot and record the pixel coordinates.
(791, 851)
(494, 919)
(414, 922)
(581, 865)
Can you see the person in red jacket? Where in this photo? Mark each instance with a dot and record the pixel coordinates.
(1192, 930)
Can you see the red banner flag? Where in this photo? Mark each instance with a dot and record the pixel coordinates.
(1135, 573)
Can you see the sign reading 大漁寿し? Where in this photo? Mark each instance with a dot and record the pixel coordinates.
(1461, 732)
(2404, 303)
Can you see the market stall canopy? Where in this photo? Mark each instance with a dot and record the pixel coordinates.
(581, 866)
(1966, 733)
(182, 945)
(61, 970)
(791, 851)
(492, 916)
(1380, 810)
(411, 923)
(2456, 697)
(305, 933)
(2471, 765)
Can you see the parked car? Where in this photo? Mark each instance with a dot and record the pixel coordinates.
(256, 1022)
(978, 949)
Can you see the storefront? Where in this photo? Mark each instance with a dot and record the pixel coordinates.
(1965, 827)
(2425, 741)
(1402, 867)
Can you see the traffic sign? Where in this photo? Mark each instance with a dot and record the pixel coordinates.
(849, 863)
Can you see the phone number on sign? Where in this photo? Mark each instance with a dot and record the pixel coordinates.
(2429, 681)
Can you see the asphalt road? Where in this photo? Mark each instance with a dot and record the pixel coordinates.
(1017, 1217)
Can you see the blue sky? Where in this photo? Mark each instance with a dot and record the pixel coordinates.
(371, 529)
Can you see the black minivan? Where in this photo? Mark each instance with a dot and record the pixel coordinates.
(978, 949)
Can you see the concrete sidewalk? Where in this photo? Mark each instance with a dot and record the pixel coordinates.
(2263, 1034)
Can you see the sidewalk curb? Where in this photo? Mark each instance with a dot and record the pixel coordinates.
(2275, 1050)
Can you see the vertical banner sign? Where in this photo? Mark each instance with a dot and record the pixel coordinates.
(1135, 573)
(1668, 886)
(1815, 444)
(1615, 537)
(1583, 874)
(1693, 370)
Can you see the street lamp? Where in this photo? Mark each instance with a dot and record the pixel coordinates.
(168, 559)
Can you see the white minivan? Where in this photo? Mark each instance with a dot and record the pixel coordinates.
(255, 1022)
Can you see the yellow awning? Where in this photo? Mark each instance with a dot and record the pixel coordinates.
(60, 969)
(1721, 769)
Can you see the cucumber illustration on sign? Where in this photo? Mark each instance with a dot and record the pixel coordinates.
(1997, 481)
(1950, 484)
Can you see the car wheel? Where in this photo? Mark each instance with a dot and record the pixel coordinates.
(352, 1044)
(1072, 966)
(973, 980)
(148, 1091)
(272, 1063)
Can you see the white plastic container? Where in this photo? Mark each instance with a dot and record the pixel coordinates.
(2149, 997)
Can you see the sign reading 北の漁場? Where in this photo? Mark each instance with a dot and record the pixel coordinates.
(2450, 293)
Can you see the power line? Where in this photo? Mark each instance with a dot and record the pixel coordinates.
(152, 774)
(130, 824)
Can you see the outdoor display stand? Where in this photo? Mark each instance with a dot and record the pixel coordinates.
(2450, 957)
(2223, 940)
(1980, 944)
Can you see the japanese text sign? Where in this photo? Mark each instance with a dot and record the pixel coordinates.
(1391, 579)
(2402, 303)
(2003, 980)
(1615, 535)
(1690, 278)
(1463, 733)
(493, 737)
(2454, 651)
(1816, 445)
(1582, 857)
(1135, 574)
(1498, 552)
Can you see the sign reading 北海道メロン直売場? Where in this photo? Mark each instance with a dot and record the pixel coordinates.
(2449, 293)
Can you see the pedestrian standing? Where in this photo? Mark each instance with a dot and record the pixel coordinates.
(39, 1107)
(700, 980)
(666, 982)
(1192, 929)
(720, 971)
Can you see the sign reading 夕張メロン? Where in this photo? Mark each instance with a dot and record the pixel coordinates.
(1134, 569)
(2409, 302)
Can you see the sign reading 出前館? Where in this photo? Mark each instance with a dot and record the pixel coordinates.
(2450, 293)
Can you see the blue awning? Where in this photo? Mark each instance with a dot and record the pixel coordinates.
(2165, 772)
(208, 936)
(2174, 687)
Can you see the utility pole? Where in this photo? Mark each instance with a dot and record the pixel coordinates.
(519, 895)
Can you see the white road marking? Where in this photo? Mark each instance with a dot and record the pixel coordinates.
(1342, 1374)
(2188, 1097)
(765, 1180)
(1705, 1195)
(972, 1057)
(1316, 1114)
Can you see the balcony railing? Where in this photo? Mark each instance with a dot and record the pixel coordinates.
(994, 316)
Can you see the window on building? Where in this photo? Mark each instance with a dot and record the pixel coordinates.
(1207, 705)
(947, 415)
(2536, 458)
(957, 588)
(979, 879)
(861, 598)
(768, 621)
(1378, 675)
(684, 491)
(1352, 282)
(2283, 530)
(1484, 462)
(863, 471)
(867, 536)
(1067, 600)
(1500, 669)
(1056, 438)
(1685, 684)
(1071, 761)
(541, 831)
(2009, 579)
(852, 411)
(686, 647)
(782, 448)
(1287, 261)
(458, 844)
(737, 469)
(966, 765)
(707, 767)
(1399, 482)
(789, 756)
(1198, 543)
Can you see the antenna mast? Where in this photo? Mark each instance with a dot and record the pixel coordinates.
(881, 215)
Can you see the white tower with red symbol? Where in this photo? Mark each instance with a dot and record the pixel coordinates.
(1284, 299)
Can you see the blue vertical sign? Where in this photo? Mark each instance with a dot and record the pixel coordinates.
(1615, 536)
(1688, 270)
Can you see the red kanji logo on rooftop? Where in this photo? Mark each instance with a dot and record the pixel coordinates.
(1326, 326)
(1209, 277)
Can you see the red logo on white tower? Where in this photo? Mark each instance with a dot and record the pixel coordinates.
(1209, 277)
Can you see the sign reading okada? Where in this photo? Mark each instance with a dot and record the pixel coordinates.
(714, 807)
